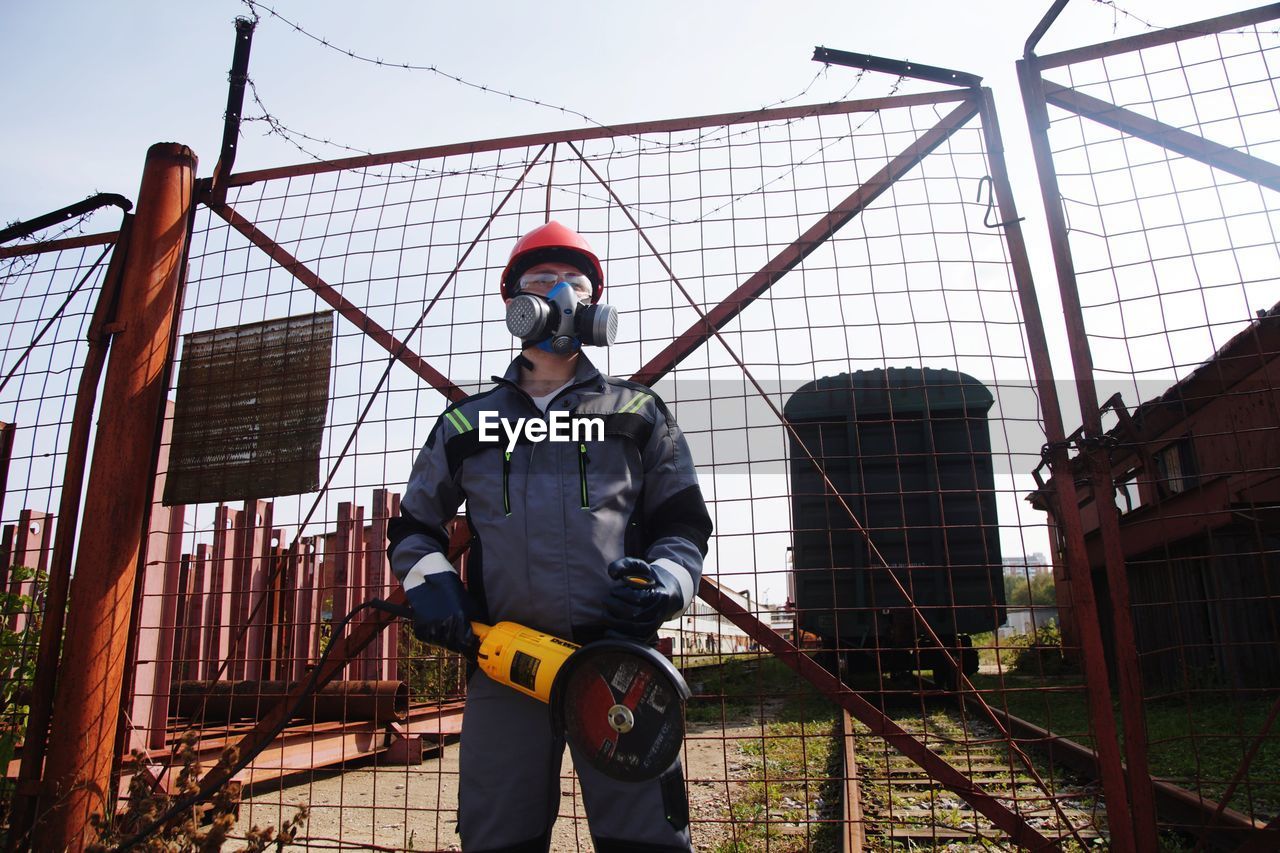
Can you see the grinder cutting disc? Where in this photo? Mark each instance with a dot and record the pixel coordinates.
(621, 706)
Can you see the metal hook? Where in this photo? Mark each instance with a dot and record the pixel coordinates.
(991, 204)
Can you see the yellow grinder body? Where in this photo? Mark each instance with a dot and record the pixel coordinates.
(521, 658)
(618, 703)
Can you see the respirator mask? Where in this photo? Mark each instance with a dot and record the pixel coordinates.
(560, 322)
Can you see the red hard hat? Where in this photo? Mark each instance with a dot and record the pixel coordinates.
(549, 243)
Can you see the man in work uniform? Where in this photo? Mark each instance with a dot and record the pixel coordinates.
(559, 527)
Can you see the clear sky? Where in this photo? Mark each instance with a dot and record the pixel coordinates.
(90, 85)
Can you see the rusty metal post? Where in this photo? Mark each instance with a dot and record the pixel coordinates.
(1129, 683)
(1067, 511)
(86, 713)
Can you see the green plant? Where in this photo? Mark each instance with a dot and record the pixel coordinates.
(18, 654)
(1038, 653)
(1041, 653)
(1037, 590)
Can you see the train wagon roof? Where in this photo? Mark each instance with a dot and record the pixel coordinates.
(895, 391)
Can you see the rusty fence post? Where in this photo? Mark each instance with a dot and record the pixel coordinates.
(1128, 678)
(86, 712)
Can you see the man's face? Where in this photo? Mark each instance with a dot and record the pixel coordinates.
(554, 272)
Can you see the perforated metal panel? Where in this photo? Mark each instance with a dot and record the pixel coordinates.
(250, 411)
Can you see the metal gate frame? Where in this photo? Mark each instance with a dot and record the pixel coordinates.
(967, 103)
(971, 102)
(1038, 93)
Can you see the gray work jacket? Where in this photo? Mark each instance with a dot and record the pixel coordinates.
(549, 516)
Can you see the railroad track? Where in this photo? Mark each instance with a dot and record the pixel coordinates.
(891, 804)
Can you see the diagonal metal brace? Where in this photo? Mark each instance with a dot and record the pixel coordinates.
(804, 245)
(1164, 135)
(399, 349)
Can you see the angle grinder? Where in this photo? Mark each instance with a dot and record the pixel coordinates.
(619, 703)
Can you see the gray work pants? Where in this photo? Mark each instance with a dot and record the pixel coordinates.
(509, 792)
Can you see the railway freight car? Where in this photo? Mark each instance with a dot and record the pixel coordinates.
(909, 452)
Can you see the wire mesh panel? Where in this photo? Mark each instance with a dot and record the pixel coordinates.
(1165, 154)
(48, 294)
(815, 295)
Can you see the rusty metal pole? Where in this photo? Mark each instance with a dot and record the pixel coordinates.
(1128, 678)
(1076, 558)
(86, 712)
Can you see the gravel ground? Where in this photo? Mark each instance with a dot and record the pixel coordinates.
(413, 808)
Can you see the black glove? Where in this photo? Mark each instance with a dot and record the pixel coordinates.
(442, 613)
(642, 597)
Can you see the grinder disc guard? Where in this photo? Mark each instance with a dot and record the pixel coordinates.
(621, 707)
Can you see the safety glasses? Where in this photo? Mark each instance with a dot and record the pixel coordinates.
(577, 281)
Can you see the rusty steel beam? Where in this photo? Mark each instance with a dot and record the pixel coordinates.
(326, 744)
(86, 712)
(1207, 27)
(351, 312)
(1015, 826)
(59, 245)
(786, 260)
(368, 701)
(1187, 144)
(309, 746)
(273, 721)
(1192, 512)
(1125, 653)
(603, 132)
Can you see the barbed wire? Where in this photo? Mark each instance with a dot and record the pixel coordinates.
(278, 128)
(19, 264)
(1118, 12)
(255, 5)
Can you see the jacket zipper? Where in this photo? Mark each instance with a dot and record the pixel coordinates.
(582, 474)
(506, 482)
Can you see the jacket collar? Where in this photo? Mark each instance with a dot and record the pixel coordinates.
(584, 372)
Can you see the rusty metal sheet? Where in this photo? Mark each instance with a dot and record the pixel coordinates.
(250, 411)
